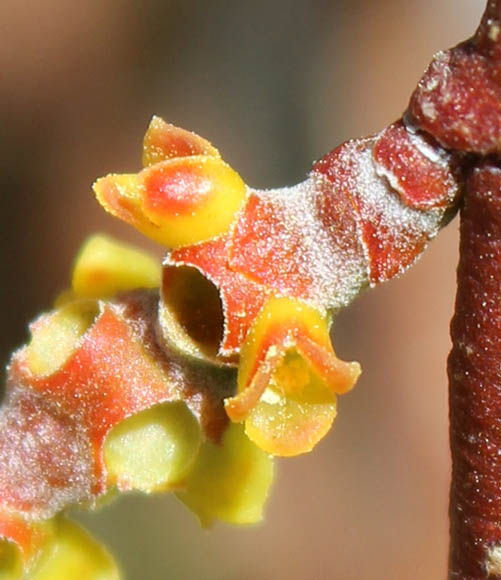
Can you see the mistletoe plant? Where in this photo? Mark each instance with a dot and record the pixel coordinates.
(190, 375)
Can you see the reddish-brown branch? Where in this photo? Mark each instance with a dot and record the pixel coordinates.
(458, 102)
(475, 384)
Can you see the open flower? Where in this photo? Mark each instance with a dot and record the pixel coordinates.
(288, 379)
(185, 194)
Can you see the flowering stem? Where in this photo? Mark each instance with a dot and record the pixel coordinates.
(475, 383)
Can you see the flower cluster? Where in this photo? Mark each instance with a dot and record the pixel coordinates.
(239, 284)
(98, 403)
(189, 376)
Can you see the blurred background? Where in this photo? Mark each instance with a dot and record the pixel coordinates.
(274, 85)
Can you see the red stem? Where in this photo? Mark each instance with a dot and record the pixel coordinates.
(475, 384)
(458, 102)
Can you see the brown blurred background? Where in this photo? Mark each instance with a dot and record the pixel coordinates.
(274, 85)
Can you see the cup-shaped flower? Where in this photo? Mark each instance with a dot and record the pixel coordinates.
(185, 194)
(288, 378)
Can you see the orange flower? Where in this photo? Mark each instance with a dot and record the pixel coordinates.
(288, 379)
(185, 194)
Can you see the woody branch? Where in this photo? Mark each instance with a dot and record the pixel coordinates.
(459, 103)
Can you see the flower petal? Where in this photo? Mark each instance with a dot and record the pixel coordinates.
(164, 141)
(290, 424)
(230, 481)
(152, 450)
(55, 549)
(73, 553)
(176, 202)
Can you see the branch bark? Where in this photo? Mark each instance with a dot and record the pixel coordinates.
(458, 102)
(475, 383)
